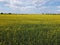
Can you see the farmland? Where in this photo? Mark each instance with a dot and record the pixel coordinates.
(29, 29)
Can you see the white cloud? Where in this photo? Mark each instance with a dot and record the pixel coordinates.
(26, 8)
(1, 0)
(30, 5)
(58, 6)
(50, 9)
(26, 3)
(58, 10)
(41, 2)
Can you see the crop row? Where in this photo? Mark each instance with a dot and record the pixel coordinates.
(30, 34)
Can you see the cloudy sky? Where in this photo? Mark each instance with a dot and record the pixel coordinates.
(30, 6)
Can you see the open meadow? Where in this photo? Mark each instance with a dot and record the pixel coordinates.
(29, 29)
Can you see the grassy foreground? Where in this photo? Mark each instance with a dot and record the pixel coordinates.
(30, 29)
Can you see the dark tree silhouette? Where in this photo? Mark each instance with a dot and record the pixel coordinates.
(2, 13)
(9, 13)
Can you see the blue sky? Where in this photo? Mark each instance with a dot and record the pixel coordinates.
(30, 6)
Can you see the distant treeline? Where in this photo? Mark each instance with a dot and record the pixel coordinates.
(52, 14)
(33, 14)
(5, 13)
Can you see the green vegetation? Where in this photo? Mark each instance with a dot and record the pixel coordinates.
(29, 29)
